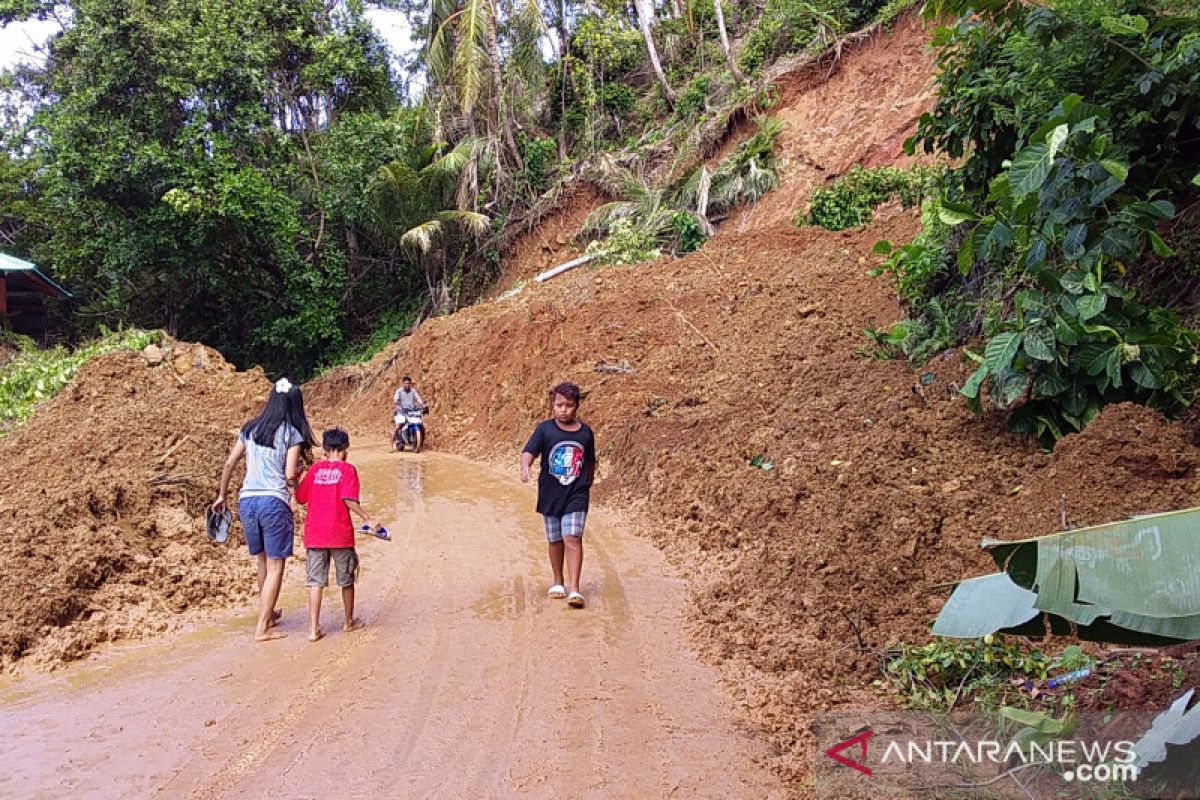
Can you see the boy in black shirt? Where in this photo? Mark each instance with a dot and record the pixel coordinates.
(568, 451)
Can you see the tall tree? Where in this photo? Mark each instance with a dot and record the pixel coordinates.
(733, 67)
(175, 134)
(645, 15)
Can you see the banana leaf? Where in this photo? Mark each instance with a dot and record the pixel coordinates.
(980, 606)
(1136, 581)
(1176, 726)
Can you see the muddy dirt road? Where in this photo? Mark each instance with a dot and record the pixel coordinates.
(467, 681)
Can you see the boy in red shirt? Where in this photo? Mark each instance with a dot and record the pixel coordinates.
(330, 489)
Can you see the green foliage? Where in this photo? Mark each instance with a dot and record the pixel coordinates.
(694, 98)
(1075, 340)
(34, 375)
(937, 675)
(194, 167)
(1072, 121)
(851, 199)
(688, 232)
(787, 26)
(626, 243)
(392, 325)
(540, 154)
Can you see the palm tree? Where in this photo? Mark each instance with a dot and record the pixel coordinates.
(645, 15)
(412, 202)
(733, 68)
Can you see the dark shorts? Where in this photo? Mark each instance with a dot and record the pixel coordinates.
(268, 524)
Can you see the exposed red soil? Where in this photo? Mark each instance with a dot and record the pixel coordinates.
(861, 115)
(102, 510)
(552, 241)
(883, 484)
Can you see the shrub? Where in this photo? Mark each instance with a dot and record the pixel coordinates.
(33, 375)
(851, 199)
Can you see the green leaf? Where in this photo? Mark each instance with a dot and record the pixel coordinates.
(1039, 343)
(980, 606)
(970, 389)
(1075, 240)
(1001, 348)
(1159, 246)
(1196, 179)
(1049, 384)
(966, 254)
(1032, 165)
(1090, 305)
(956, 213)
(1143, 376)
(1116, 169)
(883, 247)
(1013, 386)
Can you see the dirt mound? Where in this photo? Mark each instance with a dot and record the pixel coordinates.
(103, 503)
(861, 115)
(814, 495)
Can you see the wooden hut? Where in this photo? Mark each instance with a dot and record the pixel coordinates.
(23, 292)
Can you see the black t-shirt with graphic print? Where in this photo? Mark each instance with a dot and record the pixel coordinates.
(565, 481)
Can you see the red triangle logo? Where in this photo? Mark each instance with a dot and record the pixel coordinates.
(835, 752)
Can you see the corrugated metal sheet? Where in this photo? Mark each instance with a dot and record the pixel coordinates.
(12, 264)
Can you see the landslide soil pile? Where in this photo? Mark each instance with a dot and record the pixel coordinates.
(102, 509)
(750, 352)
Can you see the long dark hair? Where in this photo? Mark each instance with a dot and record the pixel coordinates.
(282, 406)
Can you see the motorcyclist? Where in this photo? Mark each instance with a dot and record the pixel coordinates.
(406, 399)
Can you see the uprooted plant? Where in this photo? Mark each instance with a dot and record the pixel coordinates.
(649, 220)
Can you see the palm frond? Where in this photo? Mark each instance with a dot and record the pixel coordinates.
(421, 237)
(450, 165)
(757, 182)
(474, 223)
(475, 22)
(601, 218)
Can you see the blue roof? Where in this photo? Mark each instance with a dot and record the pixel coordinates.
(12, 264)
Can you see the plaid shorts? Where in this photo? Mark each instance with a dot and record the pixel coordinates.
(566, 525)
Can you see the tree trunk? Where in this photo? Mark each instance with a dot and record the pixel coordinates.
(645, 14)
(564, 51)
(737, 75)
(502, 115)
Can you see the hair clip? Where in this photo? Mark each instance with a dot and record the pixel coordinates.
(283, 386)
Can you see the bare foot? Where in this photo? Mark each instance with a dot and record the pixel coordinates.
(275, 615)
(316, 636)
(355, 624)
(269, 636)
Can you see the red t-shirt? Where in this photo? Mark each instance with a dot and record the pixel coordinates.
(325, 488)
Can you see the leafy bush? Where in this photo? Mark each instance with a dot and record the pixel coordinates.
(618, 98)
(689, 233)
(1076, 340)
(851, 199)
(694, 97)
(626, 243)
(539, 153)
(1073, 123)
(786, 26)
(34, 375)
(934, 676)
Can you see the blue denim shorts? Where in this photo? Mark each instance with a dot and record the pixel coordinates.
(268, 524)
(566, 525)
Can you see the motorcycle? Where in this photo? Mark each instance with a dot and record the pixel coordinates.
(410, 429)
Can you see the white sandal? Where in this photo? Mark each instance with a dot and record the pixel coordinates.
(557, 591)
(576, 600)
